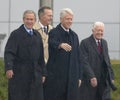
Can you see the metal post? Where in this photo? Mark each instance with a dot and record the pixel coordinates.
(9, 18)
(46, 3)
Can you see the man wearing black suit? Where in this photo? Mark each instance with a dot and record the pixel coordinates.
(97, 71)
(24, 61)
(63, 67)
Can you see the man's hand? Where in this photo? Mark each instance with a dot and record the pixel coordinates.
(43, 79)
(65, 46)
(79, 83)
(113, 81)
(9, 74)
(93, 82)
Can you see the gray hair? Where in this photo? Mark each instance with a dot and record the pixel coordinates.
(29, 12)
(98, 23)
(65, 11)
(41, 11)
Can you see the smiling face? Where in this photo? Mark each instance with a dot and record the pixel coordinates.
(46, 17)
(66, 18)
(66, 21)
(29, 20)
(98, 31)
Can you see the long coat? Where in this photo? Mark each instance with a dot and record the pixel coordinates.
(24, 55)
(44, 38)
(96, 65)
(63, 67)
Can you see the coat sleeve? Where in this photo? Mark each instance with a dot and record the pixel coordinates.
(41, 58)
(53, 40)
(10, 51)
(107, 59)
(109, 67)
(84, 59)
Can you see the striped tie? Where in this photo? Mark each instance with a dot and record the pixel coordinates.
(45, 30)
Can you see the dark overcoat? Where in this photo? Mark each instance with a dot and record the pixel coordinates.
(92, 67)
(63, 67)
(24, 55)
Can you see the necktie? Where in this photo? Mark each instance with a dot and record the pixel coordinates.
(45, 30)
(99, 46)
(31, 32)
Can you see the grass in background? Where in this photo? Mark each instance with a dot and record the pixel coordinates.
(3, 82)
(115, 94)
(115, 62)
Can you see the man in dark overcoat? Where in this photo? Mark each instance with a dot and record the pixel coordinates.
(24, 61)
(63, 67)
(97, 71)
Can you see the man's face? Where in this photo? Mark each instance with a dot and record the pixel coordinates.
(98, 32)
(66, 21)
(29, 20)
(47, 17)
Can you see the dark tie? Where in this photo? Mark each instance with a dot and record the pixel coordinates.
(99, 46)
(45, 30)
(31, 32)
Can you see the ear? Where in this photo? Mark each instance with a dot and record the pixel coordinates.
(60, 19)
(92, 30)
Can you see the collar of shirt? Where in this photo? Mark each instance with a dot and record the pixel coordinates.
(28, 30)
(97, 41)
(64, 28)
(42, 26)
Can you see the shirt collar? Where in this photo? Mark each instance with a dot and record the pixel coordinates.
(42, 26)
(64, 28)
(28, 30)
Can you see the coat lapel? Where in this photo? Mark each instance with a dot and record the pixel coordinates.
(103, 47)
(40, 30)
(93, 43)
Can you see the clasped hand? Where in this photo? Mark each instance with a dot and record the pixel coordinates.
(66, 47)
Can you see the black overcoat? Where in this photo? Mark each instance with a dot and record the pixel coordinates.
(24, 55)
(92, 67)
(63, 67)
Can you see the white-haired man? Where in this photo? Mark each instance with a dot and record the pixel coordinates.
(63, 64)
(97, 71)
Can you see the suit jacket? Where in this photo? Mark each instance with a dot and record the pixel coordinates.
(44, 39)
(91, 62)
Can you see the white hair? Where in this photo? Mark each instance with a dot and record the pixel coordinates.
(65, 11)
(98, 23)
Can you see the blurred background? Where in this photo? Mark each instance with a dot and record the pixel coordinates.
(85, 13)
